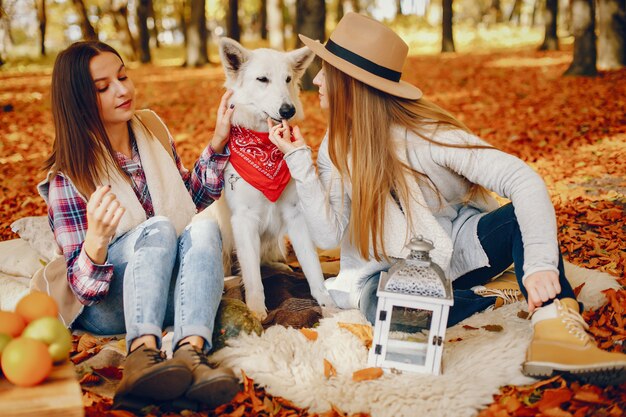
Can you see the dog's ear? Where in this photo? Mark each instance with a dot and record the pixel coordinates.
(233, 56)
(301, 58)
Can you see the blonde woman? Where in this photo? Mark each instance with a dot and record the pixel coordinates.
(394, 165)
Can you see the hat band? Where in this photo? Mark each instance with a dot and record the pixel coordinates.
(362, 63)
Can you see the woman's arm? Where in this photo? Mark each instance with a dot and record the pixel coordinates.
(512, 178)
(67, 213)
(326, 206)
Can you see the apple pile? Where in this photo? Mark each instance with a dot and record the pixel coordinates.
(32, 339)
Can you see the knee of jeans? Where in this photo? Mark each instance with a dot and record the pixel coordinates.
(162, 225)
(206, 229)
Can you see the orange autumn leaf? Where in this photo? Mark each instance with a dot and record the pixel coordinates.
(367, 374)
(329, 369)
(553, 398)
(309, 334)
(362, 331)
(556, 412)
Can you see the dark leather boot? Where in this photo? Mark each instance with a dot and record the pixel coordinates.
(148, 374)
(211, 386)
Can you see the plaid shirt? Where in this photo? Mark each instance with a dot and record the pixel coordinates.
(67, 213)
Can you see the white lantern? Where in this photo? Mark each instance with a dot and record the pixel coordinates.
(414, 298)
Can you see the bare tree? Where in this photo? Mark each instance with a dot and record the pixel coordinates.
(583, 27)
(155, 30)
(516, 12)
(196, 35)
(447, 40)
(311, 22)
(612, 30)
(497, 10)
(143, 11)
(232, 23)
(263, 19)
(42, 17)
(551, 40)
(119, 11)
(89, 33)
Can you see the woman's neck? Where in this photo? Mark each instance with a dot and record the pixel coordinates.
(119, 138)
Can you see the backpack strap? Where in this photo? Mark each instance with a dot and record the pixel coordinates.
(155, 125)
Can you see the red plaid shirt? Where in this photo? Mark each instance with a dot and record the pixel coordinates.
(67, 213)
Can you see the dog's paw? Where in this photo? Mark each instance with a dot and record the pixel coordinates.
(257, 307)
(323, 298)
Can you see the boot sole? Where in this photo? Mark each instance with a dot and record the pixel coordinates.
(165, 385)
(601, 375)
(215, 392)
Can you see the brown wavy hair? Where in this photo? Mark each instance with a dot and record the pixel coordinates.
(361, 147)
(81, 149)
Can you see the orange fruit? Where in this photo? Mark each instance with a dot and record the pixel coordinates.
(26, 362)
(36, 305)
(11, 323)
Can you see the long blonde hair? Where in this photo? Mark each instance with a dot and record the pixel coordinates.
(361, 147)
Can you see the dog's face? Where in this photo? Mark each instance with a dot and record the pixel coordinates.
(265, 83)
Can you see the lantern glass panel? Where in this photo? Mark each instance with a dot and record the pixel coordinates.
(409, 330)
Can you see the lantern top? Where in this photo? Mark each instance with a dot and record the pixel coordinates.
(420, 244)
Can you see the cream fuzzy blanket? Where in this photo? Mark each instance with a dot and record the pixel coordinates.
(287, 364)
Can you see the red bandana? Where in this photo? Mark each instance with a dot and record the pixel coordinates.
(258, 161)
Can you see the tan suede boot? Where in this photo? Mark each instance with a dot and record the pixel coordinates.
(147, 374)
(561, 345)
(211, 386)
(505, 288)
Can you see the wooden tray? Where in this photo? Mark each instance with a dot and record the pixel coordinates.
(59, 395)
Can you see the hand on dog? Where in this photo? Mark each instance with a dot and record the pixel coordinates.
(542, 286)
(280, 135)
(104, 213)
(222, 126)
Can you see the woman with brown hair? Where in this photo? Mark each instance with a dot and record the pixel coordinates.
(120, 204)
(393, 166)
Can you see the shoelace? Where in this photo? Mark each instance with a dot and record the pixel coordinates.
(574, 322)
(509, 296)
(200, 357)
(156, 356)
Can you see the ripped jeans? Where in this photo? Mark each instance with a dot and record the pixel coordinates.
(161, 280)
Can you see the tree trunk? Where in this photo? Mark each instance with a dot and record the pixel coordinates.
(583, 26)
(232, 27)
(612, 30)
(356, 8)
(497, 10)
(399, 8)
(275, 24)
(339, 12)
(119, 14)
(196, 35)
(551, 40)
(154, 32)
(41, 14)
(144, 34)
(263, 17)
(516, 12)
(89, 32)
(447, 41)
(3, 19)
(311, 22)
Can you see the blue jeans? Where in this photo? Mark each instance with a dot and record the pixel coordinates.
(161, 280)
(500, 237)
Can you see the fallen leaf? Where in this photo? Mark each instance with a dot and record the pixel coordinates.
(309, 333)
(362, 331)
(329, 369)
(367, 374)
(493, 328)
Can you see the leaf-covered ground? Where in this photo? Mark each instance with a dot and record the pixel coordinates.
(571, 130)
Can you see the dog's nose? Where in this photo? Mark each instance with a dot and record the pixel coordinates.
(287, 111)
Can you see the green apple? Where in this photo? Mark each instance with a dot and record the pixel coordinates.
(53, 333)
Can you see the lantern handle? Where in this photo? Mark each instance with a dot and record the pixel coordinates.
(419, 243)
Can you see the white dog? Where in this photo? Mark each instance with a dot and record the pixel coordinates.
(265, 83)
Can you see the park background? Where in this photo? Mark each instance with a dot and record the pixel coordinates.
(541, 79)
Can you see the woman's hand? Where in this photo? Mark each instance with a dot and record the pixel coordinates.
(541, 286)
(280, 135)
(222, 126)
(104, 213)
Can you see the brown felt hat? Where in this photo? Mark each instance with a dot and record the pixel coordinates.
(369, 51)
